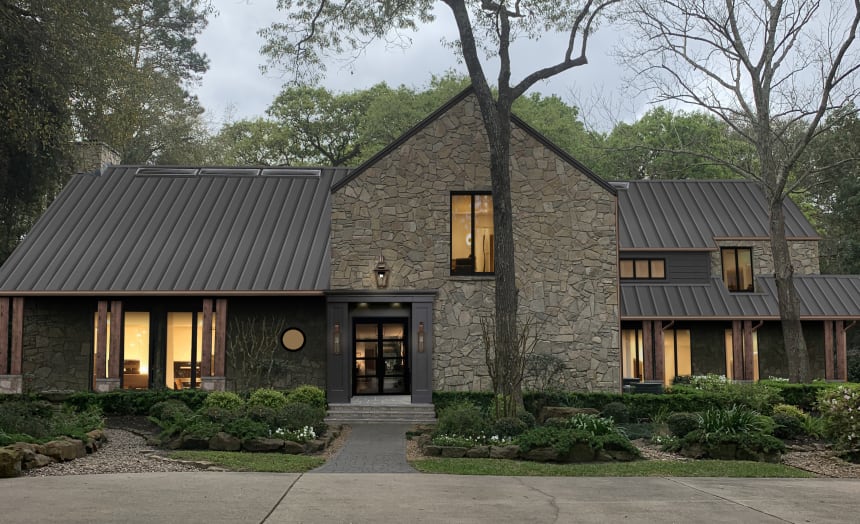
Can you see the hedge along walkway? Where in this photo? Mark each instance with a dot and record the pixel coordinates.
(371, 448)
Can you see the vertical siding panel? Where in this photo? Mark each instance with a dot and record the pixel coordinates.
(101, 340)
(220, 335)
(4, 335)
(647, 350)
(828, 350)
(116, 338)
(17, 335)
(659, 352)
(206, 345)
(841, 353)
(749, 357)
(737, 350)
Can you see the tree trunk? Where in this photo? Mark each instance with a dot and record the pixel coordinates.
(789, 303)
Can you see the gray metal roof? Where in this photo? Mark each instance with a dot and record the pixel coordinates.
(821, 296)
(171, 229)
(690, 214)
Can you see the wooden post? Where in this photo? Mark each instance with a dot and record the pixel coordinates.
(4, 335)
(116, 339)
(841, 352)
(101, 340)
(749, 356)
(17, 361)
(828, 350)
(206, 343)
(647, 351)
(220, 336)
(659, 352)
(737, 350)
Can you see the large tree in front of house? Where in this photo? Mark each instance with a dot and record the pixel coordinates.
(316, 29)
(773, 71)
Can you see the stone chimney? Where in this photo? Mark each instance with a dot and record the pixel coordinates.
(92, 156)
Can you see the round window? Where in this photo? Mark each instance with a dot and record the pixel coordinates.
(293, 339)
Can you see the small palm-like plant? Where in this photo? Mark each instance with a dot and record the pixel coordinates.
(733, 421)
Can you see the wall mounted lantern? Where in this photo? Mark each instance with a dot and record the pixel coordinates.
(381, 273)
(336, 338)
(421, 337)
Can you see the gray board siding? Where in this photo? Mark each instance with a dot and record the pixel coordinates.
(133, 229)
(681, 267)
(690, 214)
(821, 296)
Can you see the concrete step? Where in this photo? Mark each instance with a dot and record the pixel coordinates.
(395, 414)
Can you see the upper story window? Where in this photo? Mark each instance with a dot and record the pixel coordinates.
(737, 268)
(472, 239)
(642, 268)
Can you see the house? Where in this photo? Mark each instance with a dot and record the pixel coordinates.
(697, 288)
(375, 280)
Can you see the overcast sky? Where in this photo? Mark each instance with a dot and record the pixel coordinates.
(235, 88)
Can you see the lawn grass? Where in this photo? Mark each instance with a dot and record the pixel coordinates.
(640, 468)
(258, 462)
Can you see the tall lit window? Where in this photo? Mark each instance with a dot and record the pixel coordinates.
(730, 355)
(676, 355)
(472, 239)
(642, 268)
(631, 349)
(737, 268)
(184, 344)
(135, 349)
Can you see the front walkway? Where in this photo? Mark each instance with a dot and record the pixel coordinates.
(371, 448)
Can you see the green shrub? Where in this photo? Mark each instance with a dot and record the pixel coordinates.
(839, 408)
(464, 419)
(310, 395)
(732, 421)
(224, 400)
(749, 445)
(680, 424)
(200, 427)
(298, 415)
(814, 427)
(170, 410)
(527, 418)
(219, 414)
(444, 399)
(788, 426)
(561, 440)
(265, 414)
(593, 424)
(246, 428)
(132, 402)
(26, 417)
(617, 411)
(508, 427)
(270, 398)
(643, 430)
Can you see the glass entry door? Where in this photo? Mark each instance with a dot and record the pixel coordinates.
(380, 351)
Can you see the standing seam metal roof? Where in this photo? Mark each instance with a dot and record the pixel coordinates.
(821, 296)
(690, 214)
(179, 229)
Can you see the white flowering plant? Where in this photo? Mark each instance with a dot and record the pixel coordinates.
(840, 408)
(300, 435)
(461, 441)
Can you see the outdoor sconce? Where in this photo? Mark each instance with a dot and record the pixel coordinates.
(336, 338)
(421, 337)
(381, 273)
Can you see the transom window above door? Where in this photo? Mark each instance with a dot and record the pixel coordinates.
(472, 238)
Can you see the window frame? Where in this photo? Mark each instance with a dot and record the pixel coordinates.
(650, 268)
(464, 272)
(737, 281)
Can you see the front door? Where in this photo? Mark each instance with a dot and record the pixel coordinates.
(381, 364)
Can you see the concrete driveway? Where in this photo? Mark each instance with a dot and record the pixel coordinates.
(212, 497)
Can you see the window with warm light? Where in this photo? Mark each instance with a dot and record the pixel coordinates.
(730, 355)
(135, 350)
(631, 349)
(676, 354)
(642, 268)
(184, 348)
(737, 268)
(472, 238)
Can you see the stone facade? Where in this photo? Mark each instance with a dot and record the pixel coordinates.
(57, 344)
(804, 254)
(565, 241)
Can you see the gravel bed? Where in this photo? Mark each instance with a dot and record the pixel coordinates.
(124, 452)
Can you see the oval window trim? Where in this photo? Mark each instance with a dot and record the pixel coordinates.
(293, 339)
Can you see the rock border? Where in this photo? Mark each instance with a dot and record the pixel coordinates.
(23, 456)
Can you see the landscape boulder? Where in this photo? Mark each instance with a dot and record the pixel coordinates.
(225, 442)
(293, 448)
(10, 463)
(65, 449)
(262, 444)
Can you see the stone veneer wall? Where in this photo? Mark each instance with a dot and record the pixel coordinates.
(57, 344)
(565, 238)
(804, 254)
(292, 368)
